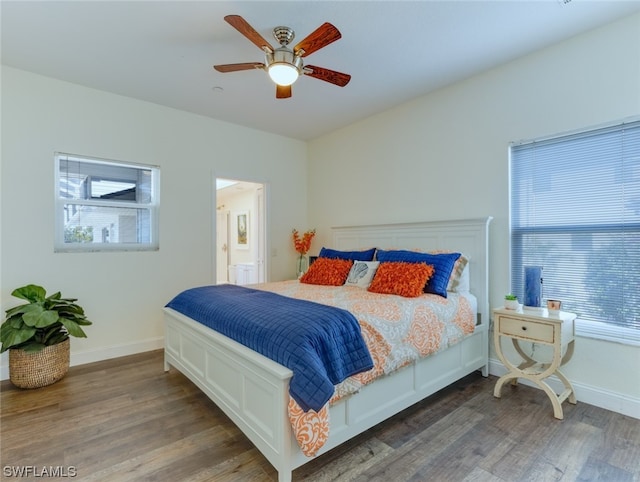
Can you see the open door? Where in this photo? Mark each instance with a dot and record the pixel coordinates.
(262, 237)
(240, 232)
(222, 245)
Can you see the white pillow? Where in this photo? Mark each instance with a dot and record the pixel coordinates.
(362, 273)
(463, 282)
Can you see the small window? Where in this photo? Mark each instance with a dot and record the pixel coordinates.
(105, 205)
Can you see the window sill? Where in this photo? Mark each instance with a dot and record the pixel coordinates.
(106, 248)
(605, 332)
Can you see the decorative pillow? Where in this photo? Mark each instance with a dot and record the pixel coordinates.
(366, 255)
(362, 273)
(464, 283)
(459, 279)
(328, 272)
(400, 278)
(442, 263)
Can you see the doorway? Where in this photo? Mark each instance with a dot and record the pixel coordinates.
(240, 232)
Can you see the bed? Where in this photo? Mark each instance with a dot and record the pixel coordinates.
(253, 390)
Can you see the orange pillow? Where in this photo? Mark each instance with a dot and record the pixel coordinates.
(400, 278)
(328, 272)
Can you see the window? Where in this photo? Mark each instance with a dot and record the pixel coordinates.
(105, 205)
(575, 211)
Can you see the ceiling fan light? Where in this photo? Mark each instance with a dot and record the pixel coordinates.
(283, 73)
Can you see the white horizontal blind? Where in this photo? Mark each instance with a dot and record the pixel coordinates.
(105, 205)
(575, 211)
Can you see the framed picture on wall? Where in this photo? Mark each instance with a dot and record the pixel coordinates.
(242, 231)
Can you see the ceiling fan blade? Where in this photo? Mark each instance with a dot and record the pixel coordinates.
(283, 91)
(331, 76)
(242, 26)
(236, 67)
(319, 38)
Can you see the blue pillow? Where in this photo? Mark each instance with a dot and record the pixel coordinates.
(366, 255)
(442, 264)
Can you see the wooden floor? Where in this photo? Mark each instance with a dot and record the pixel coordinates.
(127, 420)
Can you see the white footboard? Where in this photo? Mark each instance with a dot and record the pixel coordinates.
(253, 390)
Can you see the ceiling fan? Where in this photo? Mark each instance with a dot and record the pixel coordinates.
(285, 65)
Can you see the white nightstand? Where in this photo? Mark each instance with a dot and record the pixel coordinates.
(557, 331)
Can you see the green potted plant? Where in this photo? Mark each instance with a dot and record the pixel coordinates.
(511, 302)
(37, 336)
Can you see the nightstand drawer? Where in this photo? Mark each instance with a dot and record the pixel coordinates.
(528, 330)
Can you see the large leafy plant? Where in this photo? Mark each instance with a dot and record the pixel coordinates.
(43, 321)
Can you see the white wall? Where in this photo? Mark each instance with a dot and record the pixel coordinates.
(123, 292)
(445, 156)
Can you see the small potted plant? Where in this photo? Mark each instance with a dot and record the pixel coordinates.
(37, 336)
(511, 302)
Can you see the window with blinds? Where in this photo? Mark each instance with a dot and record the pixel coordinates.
(575, 211)
(105, 205)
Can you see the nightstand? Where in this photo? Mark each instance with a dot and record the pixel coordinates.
(556, 331)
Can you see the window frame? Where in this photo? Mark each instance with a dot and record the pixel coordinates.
(152, 207)
(586, 328)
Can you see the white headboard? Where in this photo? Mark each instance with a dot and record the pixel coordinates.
(468, 236)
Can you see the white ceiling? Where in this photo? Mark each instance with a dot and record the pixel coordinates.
(163, 51)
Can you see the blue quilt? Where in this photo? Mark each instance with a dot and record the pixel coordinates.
(322, 345)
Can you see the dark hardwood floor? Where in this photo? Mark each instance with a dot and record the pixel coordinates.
(126, 420)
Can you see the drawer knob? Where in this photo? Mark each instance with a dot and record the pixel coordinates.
(524, 328)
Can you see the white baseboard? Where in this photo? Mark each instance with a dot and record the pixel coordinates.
(100, 354)
(616, 402)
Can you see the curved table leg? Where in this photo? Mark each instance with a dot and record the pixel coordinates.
(528, 361)
(546, 370)
(497, 391)
(557, 404)
(568, 388)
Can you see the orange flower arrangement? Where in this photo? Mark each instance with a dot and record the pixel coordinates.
(302, 246)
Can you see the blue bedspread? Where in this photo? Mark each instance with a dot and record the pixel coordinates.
(322, 345)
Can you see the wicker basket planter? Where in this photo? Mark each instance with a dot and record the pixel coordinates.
(39, 369)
